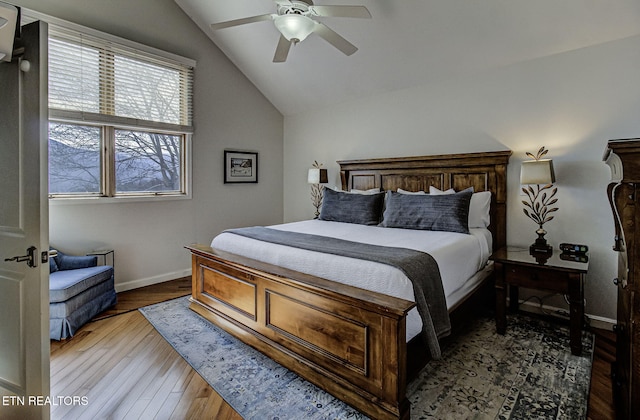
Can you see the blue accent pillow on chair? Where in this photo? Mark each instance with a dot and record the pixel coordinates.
(73, 262)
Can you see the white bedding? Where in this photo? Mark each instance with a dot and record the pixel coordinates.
(459, 257)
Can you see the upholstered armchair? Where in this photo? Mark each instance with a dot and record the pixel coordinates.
(79, 289)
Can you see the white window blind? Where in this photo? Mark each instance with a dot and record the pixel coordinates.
(96, 81)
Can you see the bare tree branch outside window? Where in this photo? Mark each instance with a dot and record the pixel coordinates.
(147, 161)
(74, 159)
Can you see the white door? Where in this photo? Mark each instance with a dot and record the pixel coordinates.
(24, 285)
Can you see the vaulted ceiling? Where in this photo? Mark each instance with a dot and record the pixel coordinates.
(407, 42)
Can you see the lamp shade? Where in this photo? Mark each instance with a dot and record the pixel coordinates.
(317, 176)
(537, 172)
(294, 27)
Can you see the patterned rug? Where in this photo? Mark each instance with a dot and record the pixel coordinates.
(529, 373)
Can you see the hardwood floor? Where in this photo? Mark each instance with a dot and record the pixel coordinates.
(133, 299)
(126, 370)
(601, 393)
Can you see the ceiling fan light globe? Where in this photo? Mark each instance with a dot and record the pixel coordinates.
(294, 27)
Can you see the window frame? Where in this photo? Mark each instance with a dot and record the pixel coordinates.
(108, 128)
(107, 166)
(75, 199)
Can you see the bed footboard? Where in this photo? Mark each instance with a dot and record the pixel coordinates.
(348, 341)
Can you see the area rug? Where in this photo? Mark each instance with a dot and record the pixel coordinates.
(527, 373)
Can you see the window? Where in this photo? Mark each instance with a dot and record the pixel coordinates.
(119, 118)
(74, 159)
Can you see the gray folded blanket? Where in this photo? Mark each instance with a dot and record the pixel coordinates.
(419, 267)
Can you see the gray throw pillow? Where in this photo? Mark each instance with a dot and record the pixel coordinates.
(363, 209)
(449, 212)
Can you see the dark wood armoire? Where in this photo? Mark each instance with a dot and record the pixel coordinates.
(623, 156)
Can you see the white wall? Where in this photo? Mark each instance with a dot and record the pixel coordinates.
(572, 103)
(229, 113)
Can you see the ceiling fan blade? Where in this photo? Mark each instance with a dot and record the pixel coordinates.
(334, 39)
(282, 50)
(242, 21)
(341, 11)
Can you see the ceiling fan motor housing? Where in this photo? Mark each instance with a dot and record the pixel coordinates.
(294, 7)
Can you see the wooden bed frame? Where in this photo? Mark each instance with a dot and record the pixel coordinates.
(348, 341)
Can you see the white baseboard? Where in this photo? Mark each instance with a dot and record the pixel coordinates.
(594, 320)
(134, 284)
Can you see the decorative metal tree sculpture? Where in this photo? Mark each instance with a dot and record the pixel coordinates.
(538, 207)
(317, 189)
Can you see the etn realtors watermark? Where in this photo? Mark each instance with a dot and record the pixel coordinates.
(41, 400)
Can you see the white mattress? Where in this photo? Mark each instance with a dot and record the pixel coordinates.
(459, 257)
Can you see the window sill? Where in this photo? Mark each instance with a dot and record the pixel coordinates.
(63, 201)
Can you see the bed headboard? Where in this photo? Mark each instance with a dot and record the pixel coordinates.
(486, 171)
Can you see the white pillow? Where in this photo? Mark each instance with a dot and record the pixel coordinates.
(435, 191)
(479, 210)
(479, 207)
(369, 191)
(401, 191)
(355, 191)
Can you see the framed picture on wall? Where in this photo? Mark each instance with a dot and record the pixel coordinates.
(240, 167)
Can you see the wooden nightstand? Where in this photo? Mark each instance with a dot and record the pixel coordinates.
(517, 268)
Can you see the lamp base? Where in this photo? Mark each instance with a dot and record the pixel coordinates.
(540, 249)
(540, 246)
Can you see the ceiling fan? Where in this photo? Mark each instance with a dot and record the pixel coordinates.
(294, 21)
